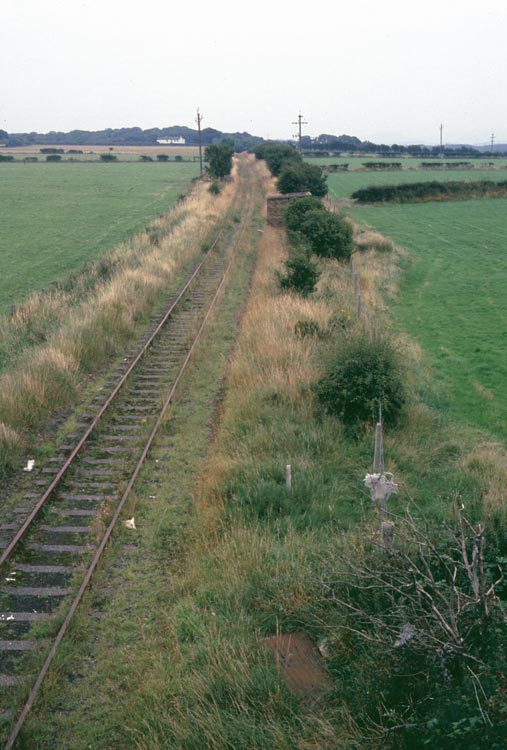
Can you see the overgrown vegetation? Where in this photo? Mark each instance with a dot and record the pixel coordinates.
(299, 177)
(301, 274)
(294, 175)
(311, 225)
(363, 373)
(428, 627)
(413, 192)
(219, 160)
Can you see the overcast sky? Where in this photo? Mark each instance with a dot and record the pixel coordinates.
(387, 71)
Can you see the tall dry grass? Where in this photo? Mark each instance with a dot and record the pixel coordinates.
(58, 337)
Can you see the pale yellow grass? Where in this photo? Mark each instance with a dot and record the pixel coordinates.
(488, 461)
(269, 354)
(376, 262)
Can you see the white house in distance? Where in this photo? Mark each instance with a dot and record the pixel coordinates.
(171, 141)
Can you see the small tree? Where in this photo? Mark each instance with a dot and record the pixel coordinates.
(362, 373)
(302, 275)
(298, 177)
(219, 160)
(54, 157)
(108, 157)
(162, 157)
(298, 208)
(329, 235)
(276, 155)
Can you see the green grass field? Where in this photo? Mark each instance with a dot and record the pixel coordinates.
(407, 162)
(452, 298)
(56, 217)
(342, 185)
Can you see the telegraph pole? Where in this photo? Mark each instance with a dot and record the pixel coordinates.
(492, 141)
(198, 121)
(299, 123)
(441, 142)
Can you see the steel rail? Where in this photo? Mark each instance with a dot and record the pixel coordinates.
(22, 531)
(100, 550)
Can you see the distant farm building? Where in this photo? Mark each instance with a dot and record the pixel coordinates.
(277, 204)
(171, 141)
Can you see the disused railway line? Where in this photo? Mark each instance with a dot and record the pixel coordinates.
(50, 549)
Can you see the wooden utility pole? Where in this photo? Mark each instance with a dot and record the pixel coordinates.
(299, 123)
(441, 142)
(198, 121)
(492, 141)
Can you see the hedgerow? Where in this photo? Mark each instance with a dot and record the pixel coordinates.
(434, 190)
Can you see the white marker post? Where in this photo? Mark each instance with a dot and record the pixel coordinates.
(288, 478)
(381, 487)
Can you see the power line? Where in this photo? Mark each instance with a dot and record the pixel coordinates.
(300, 122)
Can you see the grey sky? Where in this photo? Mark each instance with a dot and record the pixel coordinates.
(387, 71)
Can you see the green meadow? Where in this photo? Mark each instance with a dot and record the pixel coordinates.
(452, 298)
(343, 184)
(56, 217)
(407, 162)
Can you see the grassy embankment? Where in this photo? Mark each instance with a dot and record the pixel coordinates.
(55, 218)
(181, 660)
(56, 340)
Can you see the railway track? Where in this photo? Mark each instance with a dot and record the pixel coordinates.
(51, 545)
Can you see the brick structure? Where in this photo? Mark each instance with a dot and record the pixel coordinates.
(277, 204)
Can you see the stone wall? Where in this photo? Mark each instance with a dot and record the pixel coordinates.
(276, 205)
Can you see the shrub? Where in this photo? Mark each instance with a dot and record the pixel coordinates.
(162, 157)
(144, 157)
(6, 157)
(298, 177)
(276, 155)
(362, 373)
(329, 235)
(108, 157)
(304, 328)
(178, 158)
(214, 188)
(53, 157)
(301, 277)
(428, 621)
(297, 210)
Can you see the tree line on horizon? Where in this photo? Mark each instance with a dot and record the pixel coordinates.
(322, 144)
